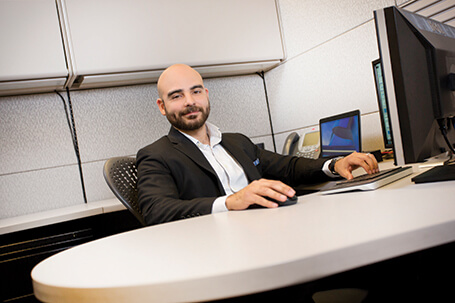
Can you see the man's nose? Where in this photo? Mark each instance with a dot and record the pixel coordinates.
(189, 99)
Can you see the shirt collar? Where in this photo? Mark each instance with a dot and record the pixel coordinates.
(213, 132)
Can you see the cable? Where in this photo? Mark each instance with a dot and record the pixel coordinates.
(261, 74)
(72, 126)
(443, 128)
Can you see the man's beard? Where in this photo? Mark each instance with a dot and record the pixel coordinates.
(189, 123)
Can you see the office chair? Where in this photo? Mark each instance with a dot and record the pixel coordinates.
(120, 174)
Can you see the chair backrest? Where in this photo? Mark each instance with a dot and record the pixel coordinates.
(120, 174)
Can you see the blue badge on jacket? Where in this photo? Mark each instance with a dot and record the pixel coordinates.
(256, 162)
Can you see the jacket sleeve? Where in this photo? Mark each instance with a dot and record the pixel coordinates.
(158, 194)
(291, 170)
(260, 163)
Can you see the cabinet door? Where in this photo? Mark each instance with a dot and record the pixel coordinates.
(31, 47)
(115, 36)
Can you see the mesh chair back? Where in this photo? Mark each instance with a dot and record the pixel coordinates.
(120, 174)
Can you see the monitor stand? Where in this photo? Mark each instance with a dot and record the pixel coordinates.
(444, 172)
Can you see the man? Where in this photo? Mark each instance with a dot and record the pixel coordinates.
(196, 170)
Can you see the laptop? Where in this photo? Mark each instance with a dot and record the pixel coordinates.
(340, 134)
(368, 182)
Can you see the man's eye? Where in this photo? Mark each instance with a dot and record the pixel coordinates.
(175, 96)
(198, 91)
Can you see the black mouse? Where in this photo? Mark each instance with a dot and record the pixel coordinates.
(289, 201)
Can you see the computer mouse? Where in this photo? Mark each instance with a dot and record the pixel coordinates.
(289, 201)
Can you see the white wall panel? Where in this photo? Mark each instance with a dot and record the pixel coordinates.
(333, 78)
(307, 24)
(34, 133)
(371, 132)
(31, 43)
(116, 121)
(35, 191)
(239, 105)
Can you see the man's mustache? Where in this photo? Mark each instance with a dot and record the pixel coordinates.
(191, 109)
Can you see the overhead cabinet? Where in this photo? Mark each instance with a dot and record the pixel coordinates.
(32, 57)
(85, 44)
(120, 42)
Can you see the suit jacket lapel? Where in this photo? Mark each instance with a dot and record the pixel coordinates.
(187, 147)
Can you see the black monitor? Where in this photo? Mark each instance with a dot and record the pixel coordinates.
(418, 61)
(382, 103)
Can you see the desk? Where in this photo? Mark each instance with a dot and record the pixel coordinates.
(237, 253)
(14, 224)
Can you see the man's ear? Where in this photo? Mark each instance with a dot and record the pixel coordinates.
(160, 104)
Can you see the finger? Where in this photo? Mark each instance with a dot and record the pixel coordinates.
(372, 163)
(346, 165)
(273, 189)
(275, 195)
(368, 162)
(265, 202)
(348, 175)
(375, 165)
(282, 189)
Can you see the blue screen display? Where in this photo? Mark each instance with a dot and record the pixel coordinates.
(340, 137)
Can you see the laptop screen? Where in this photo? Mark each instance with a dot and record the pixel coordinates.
(340, 134)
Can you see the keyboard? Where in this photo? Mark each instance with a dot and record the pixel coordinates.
(369, 182)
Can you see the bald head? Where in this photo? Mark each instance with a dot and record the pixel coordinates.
(183, 99)
(177, 77)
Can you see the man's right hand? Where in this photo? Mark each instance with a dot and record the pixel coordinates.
(256, 192)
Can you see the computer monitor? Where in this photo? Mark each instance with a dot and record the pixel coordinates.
(418, 60)
(382, 104)
(340, 134)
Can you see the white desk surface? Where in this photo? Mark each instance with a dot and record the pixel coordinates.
(238, 253)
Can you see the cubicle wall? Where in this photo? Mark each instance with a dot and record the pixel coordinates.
(38, 167)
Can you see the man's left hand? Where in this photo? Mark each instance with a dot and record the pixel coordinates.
(346, 165)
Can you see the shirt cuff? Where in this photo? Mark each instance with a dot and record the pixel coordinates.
(219, 205)
(326, 170)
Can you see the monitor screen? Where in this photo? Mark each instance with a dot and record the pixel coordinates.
(340, 134)
(382, 103)
(417, 56)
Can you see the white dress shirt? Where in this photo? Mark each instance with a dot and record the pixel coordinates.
(228, 170)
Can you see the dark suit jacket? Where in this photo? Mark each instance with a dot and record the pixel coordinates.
(176, 181)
